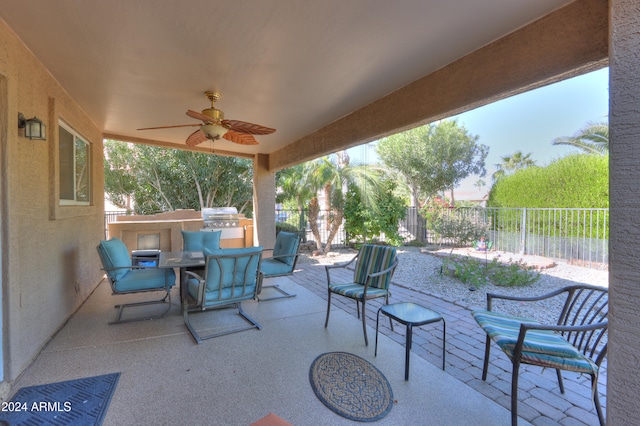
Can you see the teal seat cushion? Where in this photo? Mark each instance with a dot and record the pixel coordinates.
(540, 347)
(145, 279)
(372, 259)
(273, 267)
(200, 240)
(356, 291)
(286, 244)
(115, 255)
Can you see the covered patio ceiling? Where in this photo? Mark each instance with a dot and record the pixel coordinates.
(295, 66)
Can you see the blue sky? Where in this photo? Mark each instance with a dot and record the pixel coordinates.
(530, 121)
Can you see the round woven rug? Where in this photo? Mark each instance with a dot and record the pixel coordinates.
(351, 386)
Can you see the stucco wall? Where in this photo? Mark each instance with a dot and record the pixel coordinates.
(50, 263)
(623, 407)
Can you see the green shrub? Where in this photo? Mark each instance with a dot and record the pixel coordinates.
(477, 272)
(574, 181)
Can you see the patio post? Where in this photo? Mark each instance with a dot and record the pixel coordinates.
(264, 202)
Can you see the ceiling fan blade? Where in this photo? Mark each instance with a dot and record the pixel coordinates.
(240, 138)
(170, 127)
(199, 116)
(196, 138)
(248, 128)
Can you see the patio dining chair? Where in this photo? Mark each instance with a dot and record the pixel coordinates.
(282, 262)
(374, 268)
(577, 342)
(230, 277)
(126, 278)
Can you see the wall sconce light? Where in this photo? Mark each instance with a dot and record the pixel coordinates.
(33, 127)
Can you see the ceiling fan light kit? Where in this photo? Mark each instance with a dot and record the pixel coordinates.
(214, 126)
(213, 131)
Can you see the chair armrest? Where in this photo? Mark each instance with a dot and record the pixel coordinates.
(338, 265)
(386, 271)
(132, 267)
(370, 277)
(201, 287)
(295, 256)
(194, 275)
(524, 327)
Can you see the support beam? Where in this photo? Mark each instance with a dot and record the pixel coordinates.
(570, 41)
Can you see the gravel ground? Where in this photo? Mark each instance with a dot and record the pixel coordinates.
(420, 269)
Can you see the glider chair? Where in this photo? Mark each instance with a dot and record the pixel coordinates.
(282, 262)
(230, 277)
(577, 342)
(127, 279)
(374, 267)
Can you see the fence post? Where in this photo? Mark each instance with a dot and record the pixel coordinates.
(523, 231)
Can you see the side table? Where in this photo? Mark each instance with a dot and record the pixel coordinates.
(411, 314)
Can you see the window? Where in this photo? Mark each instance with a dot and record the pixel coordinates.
(75, 162)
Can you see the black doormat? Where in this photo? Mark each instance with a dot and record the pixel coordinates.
(79, 402)
(351, 386)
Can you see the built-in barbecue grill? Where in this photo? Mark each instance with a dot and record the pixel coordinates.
(225, 219)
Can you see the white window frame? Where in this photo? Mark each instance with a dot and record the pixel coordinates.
(76, 138)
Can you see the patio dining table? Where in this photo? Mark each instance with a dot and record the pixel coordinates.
(181, 260)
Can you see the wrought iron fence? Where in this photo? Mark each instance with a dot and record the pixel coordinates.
(578, 236)
(109, 217)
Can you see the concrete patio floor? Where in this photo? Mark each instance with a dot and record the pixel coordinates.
(237, 379)
(540, 400)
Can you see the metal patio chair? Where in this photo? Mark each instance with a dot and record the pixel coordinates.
(577, 342)
(126, 278)
(374, 267)
(282, 262)
(230, 277)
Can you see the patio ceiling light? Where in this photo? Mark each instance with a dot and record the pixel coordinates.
(33, 127)
(213, 131)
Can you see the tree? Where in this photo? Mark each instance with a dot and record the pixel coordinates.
(333, 175)
(512, 163)
(592, 139)
(159, 179)
(433, 158)
(363, 223)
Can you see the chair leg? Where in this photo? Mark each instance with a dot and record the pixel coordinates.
(390, 322)
(198, 338)
(485, 367)
(560, 382)
(326, 321)
(596, 399)
(364, 323)
(514, 392)
(166, 299)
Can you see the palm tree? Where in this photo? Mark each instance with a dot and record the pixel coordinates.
(291, 186)
(512, 163)
(593, 139)
(331, 176)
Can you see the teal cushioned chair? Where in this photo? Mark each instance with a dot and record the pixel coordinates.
(577, 342)
(282, 262)
(126, 278)
(230, 277)
(199, 240)
(374, 267)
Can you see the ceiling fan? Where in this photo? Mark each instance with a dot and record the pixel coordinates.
(214, 126)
